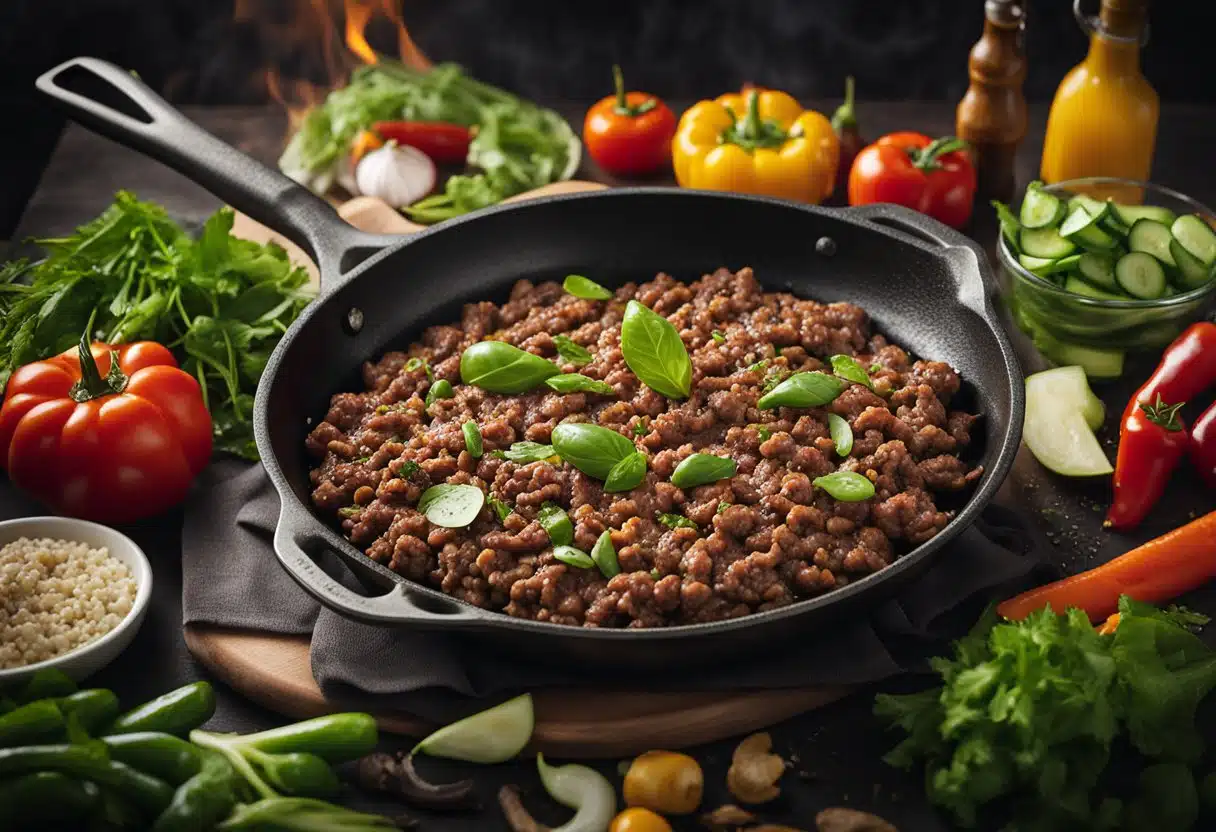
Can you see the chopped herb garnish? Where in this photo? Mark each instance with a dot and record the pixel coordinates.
(408, 470)
(382, 408)
(847, 368)
(576, 383)
(604, 555)
(718, 337)
(420, 363)
(722, 507)
(763, 432)
(654, 574)
(772, 380)
(758, 366)
(441, 389)
(500, 508)
(876, 367)
(472, 439)
(350, 511)
(677, 521)
(556, 523)
(571, 352)
(642, 427)
(571, 556)
(362, 459)
(524, 452)
(498, 454)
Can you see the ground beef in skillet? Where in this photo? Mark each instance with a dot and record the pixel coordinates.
(766, 537)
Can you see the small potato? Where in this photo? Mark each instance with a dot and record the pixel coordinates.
(666, 782)
(840, 819)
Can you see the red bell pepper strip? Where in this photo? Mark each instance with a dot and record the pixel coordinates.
(1158, 571)
(1203, 445)
(1187, 368)
(444, 142)
(1152, 441)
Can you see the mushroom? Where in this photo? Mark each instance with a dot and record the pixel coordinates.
(517, 816)
(727, 816)
(382, 772)
(755, 770)
(840, 819)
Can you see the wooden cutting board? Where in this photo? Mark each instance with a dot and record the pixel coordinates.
(275, 671)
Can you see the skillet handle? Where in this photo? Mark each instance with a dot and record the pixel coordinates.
(403, 605)
(978, 285)
(149, 124)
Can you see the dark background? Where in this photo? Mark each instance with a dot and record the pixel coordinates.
(560, 50)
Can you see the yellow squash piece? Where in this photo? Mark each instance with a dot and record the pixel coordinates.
(759, 143)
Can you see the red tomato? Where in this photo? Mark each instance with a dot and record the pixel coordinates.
(629, 133)
(935, 177)
(113, 447)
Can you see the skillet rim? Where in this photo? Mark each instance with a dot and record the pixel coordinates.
(295, 513)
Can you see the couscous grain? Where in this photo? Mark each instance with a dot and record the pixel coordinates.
(56, 595)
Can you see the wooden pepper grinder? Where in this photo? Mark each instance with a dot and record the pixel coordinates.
(992, 115)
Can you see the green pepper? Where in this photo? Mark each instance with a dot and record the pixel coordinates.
(6, 705)
(44, 797)
(177, 712)
(336, 738)
(37, 721)
(163, 755)
(93, 708)
(48, 683)
(300, 813)
(116, 813)
(149, 793)
(298, 773)
(202, 801)
(88, 762)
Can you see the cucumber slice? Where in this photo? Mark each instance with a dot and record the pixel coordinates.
(1191, 273)
(1098, 269)
(1039, 208)
(1082, 227)
(1151, 237)
(1097, 363)
(1046, 243)
(1061, 415)
(1011, 229)
(1128, 214)
(1197, 237)
(492, 736)
(1140, 274)
(1078, 286)
(1043, 267)
(1095, 207)
(1110, 221)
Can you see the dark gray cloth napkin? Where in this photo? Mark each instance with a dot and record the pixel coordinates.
(230, 577)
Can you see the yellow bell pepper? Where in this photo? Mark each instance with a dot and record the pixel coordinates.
(775, 148)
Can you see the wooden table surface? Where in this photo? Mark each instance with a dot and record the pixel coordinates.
(837, 748)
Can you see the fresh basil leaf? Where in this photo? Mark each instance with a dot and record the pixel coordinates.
(603, 553)
(575, 383)
(772, 380)
(556, 523)
(573, 557)
(529, 452)
(501, 368)
(627, 474)
(592, 449)
(700, 469)
(500, 508)
(842, 434)
(498, 454)
(654, 352)
(845, 486)
(718, 337)
(581, 287)
(677, 521)
(802, 390)
(847, 368)
(472, 439)
(451, 505)
(571, 352)
(441, 389)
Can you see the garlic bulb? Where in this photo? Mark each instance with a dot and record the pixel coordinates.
(399, 174)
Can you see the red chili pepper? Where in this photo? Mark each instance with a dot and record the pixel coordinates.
(1188, 367)
(444, 142)
(1203, 445)
(1151, 442)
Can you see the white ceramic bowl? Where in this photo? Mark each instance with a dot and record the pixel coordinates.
(92, 657)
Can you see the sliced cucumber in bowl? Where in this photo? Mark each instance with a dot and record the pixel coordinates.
(1062, 413)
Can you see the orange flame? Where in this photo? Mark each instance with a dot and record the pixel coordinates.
(310, 29)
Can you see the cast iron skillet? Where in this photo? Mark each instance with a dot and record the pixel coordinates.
(926, 286)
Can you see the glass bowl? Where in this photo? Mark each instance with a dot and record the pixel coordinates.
(1067, 328)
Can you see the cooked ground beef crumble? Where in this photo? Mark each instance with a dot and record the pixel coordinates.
(765, 538)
